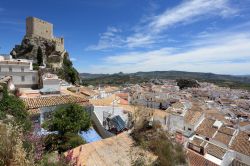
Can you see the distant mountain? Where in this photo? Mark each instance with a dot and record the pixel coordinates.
(121, 78)
(89, 76)
(174, 75)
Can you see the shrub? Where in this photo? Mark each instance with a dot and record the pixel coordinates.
(168, 152)
(14, 106)
(71, 118)
(11, 146)
(62, 143)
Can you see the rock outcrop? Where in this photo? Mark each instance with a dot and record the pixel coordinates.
(57, 62)
(29, 47)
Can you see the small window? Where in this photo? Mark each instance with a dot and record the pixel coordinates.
(10, 69)
(22, 69)
(33, 78)
(189, 129)
(22, 78)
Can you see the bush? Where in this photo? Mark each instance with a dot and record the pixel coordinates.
(68, 72)
(14, 106)
(35, 66)
(11, 146)
(62, 143)
(71, 118)
(68, 121)
(186, 83)
(167, 151)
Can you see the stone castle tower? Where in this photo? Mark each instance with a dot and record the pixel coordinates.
(38, 28)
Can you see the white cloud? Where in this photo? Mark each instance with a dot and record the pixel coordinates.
(189, 10)
(229, 55)
(108, 39)
(73, 59)
(149, 31)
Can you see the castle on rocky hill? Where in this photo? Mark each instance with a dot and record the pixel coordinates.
(39, 28)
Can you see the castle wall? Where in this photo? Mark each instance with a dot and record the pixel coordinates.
(59, 44)
(37, 27)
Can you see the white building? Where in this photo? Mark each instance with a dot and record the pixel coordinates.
(100, 115)
(51, 84)
(21, 71)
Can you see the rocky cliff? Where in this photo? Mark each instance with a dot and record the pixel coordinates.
(57, 62)
(29, 50)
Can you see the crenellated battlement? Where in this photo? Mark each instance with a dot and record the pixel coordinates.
(39, 28)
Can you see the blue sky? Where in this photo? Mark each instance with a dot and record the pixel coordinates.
(109, 36)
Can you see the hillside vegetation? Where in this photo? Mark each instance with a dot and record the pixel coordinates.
(241, 82)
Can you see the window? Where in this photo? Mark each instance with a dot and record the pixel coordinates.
(189, 129)
(33, 78)
(22, 78)
(22, 69)
(10, 69)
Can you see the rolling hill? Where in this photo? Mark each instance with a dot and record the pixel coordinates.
(232, 81)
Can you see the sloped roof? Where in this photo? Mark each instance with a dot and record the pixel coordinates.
(224, 135)
(195, 159)
(223, 138)
(241, 143)
(227, 130)
(215, 151)
(191, 117)
(206, 128)
(115, 151)
(33, 103)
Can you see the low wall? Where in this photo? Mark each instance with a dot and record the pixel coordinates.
(104, 133)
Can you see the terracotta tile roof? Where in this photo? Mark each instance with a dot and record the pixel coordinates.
(242, 124)
(111, 89)
(198, 142)
(87, 91)
(103, 102)
(123, 101)
(191, 117)
(195, 159)
(227, 130)
(223, 138)
(116, 150)
(122, 95)
(206, 128)
(215, 151)
(33, 103)
(241, 143)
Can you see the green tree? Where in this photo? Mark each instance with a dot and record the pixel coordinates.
(72, 118)
(68, 72)
(14, 106)
(39, 56)
(68, 121)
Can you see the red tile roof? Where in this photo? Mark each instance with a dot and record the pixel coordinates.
(195, 159)
(206, 128)
(241, 143)
(33, 103)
